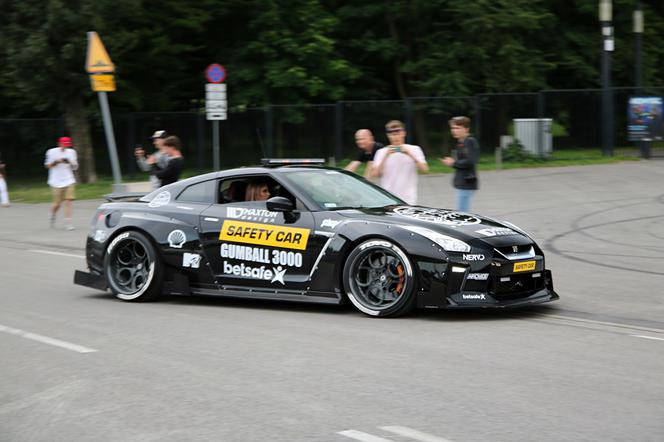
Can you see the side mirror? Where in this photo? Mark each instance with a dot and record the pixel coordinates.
(279, 204)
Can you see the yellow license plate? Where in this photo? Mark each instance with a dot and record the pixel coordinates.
(524, 266)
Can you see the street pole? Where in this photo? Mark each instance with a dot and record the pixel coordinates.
(644, 144)
(215, 145)
(605, 18)
(638, 31)
(110, 141)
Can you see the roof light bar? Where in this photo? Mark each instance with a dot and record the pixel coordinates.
(267, 162)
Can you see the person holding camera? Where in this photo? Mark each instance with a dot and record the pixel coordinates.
(61, 163)
(398, 163)
(160, 158)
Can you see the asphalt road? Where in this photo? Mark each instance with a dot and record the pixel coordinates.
(78, 365)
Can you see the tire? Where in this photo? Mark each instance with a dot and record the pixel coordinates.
(379, 280)
(133, 267)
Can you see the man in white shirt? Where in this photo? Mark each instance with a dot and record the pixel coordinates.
(61, 163)
(398, 163)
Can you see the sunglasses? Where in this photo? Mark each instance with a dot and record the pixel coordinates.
(394, 131)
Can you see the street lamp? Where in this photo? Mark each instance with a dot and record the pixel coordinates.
(605, 17)
(638, 31)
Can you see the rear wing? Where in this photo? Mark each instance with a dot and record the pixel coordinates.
(125, 196)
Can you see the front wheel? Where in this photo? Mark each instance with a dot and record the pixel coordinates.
(379, 280)
(133, 267)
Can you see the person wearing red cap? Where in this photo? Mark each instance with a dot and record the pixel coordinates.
(4, 196)
(61, 163)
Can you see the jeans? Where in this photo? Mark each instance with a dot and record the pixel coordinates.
(463, 199)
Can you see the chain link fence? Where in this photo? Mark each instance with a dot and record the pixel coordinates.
(327, 130)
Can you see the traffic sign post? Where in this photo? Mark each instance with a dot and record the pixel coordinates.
(100, 67)
(216, 106)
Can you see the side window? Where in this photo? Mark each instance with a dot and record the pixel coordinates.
(198, 193)
(250, 188)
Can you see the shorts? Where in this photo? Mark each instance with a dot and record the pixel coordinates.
(63, 193)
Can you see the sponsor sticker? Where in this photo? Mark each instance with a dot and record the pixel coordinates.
(496, 231)
(251, 214)
(473, 257)
(438, 216)
(258, 254)
(473, 296)
(100, 236)
(524, 266)
(176, 239)
(276, 274)
(331, 223)
(478, 276)
(192, 260)
(161, 199)
(264, 234)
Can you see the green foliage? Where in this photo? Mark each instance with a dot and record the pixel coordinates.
(515, 152)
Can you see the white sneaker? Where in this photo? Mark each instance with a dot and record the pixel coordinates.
(70, 227)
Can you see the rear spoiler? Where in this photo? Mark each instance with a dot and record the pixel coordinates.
(126, 196)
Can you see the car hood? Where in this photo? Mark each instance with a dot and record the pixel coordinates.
(467, 227)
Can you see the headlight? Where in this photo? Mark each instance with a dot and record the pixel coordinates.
(448, 243)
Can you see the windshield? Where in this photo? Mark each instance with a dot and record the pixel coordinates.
(333, 189)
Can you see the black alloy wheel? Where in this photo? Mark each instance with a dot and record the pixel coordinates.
(133, 267)
(379, 279)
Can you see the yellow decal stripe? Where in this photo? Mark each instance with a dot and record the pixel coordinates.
(264, 234)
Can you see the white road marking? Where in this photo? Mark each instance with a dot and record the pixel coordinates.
(647, 337)
(414, 434)
(610, 324)
(48, 252)
(364, 437)
(46, 340)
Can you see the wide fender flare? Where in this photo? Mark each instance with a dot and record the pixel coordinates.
(415, 245)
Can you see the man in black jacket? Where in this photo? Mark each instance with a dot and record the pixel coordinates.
(170, 173)
(466, 156)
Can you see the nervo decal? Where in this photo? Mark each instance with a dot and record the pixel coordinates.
(264, 234)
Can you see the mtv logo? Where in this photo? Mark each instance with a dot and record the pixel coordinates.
(192, 260)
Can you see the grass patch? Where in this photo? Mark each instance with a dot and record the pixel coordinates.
(32, 190)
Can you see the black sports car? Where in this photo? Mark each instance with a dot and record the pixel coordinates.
(324, 235)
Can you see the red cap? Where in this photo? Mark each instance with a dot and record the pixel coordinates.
(64, 141)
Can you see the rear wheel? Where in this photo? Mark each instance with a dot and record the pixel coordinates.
(379, 279)
(133, 267)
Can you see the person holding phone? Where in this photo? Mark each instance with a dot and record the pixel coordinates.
(61, 163)
(398, 163)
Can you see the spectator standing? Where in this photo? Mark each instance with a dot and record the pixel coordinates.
(367, 151)
(61, 163)
(170, 173)
(160, 158)
(4, 195)
(398, 163)
(466, 156)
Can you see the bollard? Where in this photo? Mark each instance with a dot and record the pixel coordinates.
(499, 158)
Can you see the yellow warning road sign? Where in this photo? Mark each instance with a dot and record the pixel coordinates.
(98, 61)
(102, 82)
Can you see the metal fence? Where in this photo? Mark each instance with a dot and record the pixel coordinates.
(326, 130)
